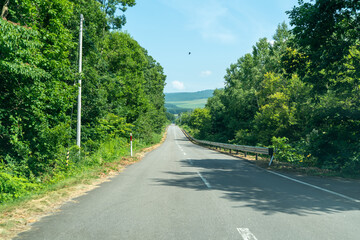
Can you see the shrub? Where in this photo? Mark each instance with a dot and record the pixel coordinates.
(284, 151)
(13, 187)
(352, 167)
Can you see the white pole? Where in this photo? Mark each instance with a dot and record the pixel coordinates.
(78, 132)
(131, 152)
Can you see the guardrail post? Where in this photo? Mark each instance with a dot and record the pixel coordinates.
(256, 157)
(272, 154)
(245, 154)
(230, 151)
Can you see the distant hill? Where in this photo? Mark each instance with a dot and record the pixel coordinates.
(188, 96)
(174, 109)
(185, 101)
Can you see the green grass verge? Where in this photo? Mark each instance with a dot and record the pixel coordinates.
(109, 156)
(82, 176)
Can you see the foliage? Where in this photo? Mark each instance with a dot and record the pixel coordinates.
(284, 151)
(299, 92)
(109, 151)
(200, 121)
(170, 117)
(109, 7)
(282, 104)
(13, 187)
(33, 104)
(122, 91)
(113, 126)
(325, 31)
(352, 167)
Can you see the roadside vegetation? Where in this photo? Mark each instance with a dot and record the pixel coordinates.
(18, 215)
(122, 92)
(299, 93)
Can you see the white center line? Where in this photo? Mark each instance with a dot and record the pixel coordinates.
(313, 186)
(246, 234)
(204, 180)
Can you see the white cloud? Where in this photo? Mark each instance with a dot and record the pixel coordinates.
(178, 85)
(205, 73)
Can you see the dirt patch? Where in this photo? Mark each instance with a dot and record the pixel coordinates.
(19, 217)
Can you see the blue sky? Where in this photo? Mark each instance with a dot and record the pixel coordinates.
(216, 32)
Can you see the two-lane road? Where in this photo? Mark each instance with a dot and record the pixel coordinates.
(183, 191)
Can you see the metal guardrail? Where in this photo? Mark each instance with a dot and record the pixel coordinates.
(242, 148)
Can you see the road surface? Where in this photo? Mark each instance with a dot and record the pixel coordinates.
(184, 191)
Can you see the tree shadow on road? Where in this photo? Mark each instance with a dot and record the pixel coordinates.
(246, 185)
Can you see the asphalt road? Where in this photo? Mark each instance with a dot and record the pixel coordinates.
(184, 191)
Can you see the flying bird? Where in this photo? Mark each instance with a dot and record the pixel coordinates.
(189, 53)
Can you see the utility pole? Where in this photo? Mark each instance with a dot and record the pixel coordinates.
(78, 130)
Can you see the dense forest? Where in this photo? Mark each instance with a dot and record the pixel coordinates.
(122, 89)
(299, 93)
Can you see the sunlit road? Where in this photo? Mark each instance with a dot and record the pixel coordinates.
(184, 191)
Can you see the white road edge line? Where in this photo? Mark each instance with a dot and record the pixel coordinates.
(204, 180)
(246, 234)
(316, 187)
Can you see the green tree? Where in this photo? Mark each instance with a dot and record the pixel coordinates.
(34, 104)
(200, 122)
(243, 81)
(109, 7)
(327, 37)
(122, 87)
(325, 31)
(283, 108)
(216, 110)
(171, 117)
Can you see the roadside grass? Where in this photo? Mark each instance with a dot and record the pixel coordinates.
(17, 216)
(308, 170)
(286, 167)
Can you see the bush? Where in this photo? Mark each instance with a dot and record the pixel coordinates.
(352, 167)
(13, 187)
(284, 151)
